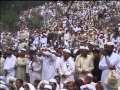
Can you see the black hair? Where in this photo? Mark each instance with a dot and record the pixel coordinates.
(20, 80)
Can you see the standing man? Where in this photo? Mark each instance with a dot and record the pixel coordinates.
(49, 70)
(67, 67)
(35, 67)
(109, 62)
(9, 64)
(83, 64)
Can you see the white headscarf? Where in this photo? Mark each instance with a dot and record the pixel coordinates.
(31, 86)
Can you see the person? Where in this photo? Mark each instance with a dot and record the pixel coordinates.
(11, 84)
(83, 64)
(49, 66)
(21, 65)
(88, 83)
(99, 86)
(53, 83)
(48, 87)
(29, 86)
(70, 85)
(1, 64)
(19, 84)
(10, 64)
(67, 66)
(41, 84)
(59, 84)
(110, 61)
(35, 67)
(43, 40)
(96, 71)
(67, 38)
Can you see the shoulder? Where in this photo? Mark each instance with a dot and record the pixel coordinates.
(115, 55)
(71, 59)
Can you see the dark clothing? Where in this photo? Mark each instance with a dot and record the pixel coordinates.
(96, 71)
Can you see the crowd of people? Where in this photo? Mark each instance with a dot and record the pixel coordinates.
(75, 51)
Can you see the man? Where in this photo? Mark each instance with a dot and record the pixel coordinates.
(53, 83)
(19, 84)
(21, 65)
(70, 85)
(67, 66)
(43, 40)
(83, 64)
(110, 61)
(67, 38)
(9, 64)
(35, 67)
(49, 66)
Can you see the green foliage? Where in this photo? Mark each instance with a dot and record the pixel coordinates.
(36, 21)
(10, 10)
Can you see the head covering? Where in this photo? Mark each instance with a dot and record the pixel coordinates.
(48, 87)
(110, 43)
(90, 75)
(83, 47)
(47, 53)
(53, 80)
(2, 86)
(31, 86)
(75, 51)
(67, 51)
(42, 82)
(23, 49)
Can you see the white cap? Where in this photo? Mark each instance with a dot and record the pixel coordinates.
(2, 82)
(84, 47)
(90, 75)
(75, 51)
(67, 51)
(118, 23)
(23, 49)
(47, 53)
(53, 80)
(42, 82)
(110, 43)
(3, 86)
(33, 48)
(31, 86)
(48, 87)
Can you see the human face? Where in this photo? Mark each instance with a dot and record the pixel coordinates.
(53, 85)
(66, 55)
(18, 84)
(70, 86)
(108, 49)
(26, 87)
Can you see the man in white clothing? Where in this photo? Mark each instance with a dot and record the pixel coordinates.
(110, 61)
(67, 67)
(9, 64)
(49, 66)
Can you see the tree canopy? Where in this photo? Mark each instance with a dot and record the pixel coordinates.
(10, 10)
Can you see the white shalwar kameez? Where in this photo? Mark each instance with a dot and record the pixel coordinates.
(36, 73)
(49, 67)
(114, 60)
(9, 65)
(67, 68)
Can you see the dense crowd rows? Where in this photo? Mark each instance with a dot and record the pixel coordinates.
(75, 51)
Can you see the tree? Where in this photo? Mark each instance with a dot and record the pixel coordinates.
(10, 10)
